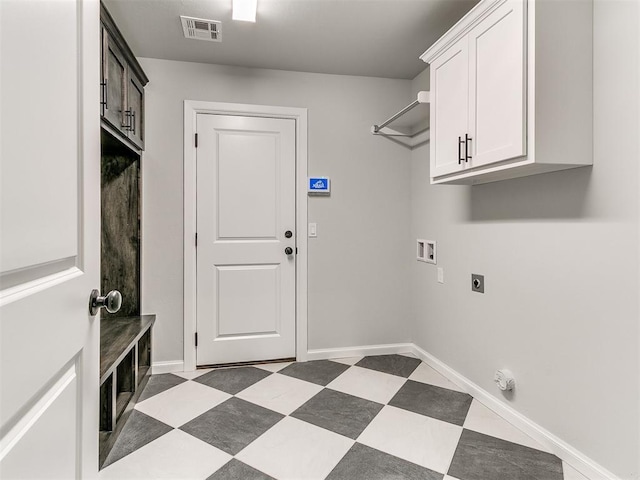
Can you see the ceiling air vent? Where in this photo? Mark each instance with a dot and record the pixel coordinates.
(201, 29)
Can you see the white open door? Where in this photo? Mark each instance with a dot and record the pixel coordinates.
(50, 238)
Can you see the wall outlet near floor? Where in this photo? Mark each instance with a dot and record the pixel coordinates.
(477, 283)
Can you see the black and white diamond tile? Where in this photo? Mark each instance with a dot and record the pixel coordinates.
(432, 401)
(426, 374)
(232, 380)
(177, 405)
(232, 425)
(280, 393)
(394, 364)
(160, 383)
(294, 449)
(320, 372)
(381, 417)
(416, 438)
(480, 456)
(175, 455)
(482, 420)
(236, 470)
(139, 430)
(338, 412)
(369, 384)
(365, 463)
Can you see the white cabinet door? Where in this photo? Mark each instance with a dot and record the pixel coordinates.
(246, 225)
(49, 239)
(497, 97)
(449, 109)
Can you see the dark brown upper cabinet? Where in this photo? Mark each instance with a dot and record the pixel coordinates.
(123, 82)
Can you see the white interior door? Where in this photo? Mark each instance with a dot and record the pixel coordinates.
(497, 113)
(245, 207)
(449, 107)
(50, 238)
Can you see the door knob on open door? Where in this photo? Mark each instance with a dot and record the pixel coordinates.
(288, 250)
(112, 301)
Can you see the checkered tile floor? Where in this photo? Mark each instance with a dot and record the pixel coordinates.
(379, 417)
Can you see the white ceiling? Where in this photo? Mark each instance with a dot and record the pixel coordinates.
(379, 38)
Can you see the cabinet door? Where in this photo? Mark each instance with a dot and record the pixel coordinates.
(114, 70)
(449, 108)
(497, 98)
(135, 110)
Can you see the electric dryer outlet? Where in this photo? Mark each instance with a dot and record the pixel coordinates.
(477, 283)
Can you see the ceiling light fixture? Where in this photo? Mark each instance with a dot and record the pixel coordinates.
(245, 10)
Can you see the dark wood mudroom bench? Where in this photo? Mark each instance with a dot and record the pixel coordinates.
(125, 367)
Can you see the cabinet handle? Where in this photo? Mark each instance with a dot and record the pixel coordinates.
(460, 142)
(133, 121)
(104, 94)
(467, 139)
(129, 116)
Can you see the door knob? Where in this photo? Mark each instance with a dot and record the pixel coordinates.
(288, 250)
(288, 234)
(112, 301)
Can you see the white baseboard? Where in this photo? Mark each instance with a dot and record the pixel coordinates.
(167, 367)
(558, 447)
(327, 353)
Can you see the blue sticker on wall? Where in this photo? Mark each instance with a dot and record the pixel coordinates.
(319, 185)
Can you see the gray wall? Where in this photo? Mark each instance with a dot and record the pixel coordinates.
(560, 253)
(357, 268)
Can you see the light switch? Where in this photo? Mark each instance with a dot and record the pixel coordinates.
(313, 230)
(440, 275)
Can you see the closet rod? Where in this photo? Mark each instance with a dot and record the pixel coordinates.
(423, 97)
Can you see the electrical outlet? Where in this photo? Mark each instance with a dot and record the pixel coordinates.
(477, 283)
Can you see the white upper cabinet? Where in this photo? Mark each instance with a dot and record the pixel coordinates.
(511, 87)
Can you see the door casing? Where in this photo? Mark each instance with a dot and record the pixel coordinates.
(191, 109)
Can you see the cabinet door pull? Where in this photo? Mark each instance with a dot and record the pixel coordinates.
(104, 94)
(467, 139)
(128, 117)
(460, 142)
(133, 122)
